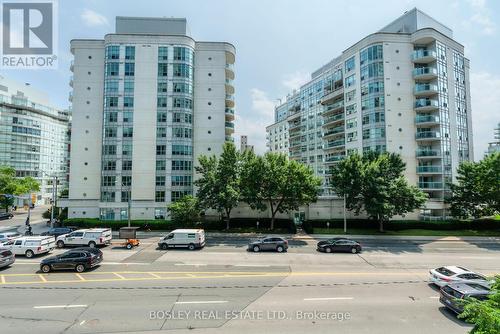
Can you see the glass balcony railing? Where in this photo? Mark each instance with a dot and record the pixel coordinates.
(335, 158)
(421, 103)
(424, 71)
(229, 97)
(229, 125)
(336, 105)
(335, 143)
(334, 131)
(430, 185)
(420, 54)
(230, 66)
(333, 118)
(429, 169)
(230, 139)
(419, 88)
(427, 134)
(229, 111)
(428, 153)
(426, 119)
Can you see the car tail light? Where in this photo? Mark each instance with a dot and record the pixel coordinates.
(39, 248)
(100, 240)
(446, 279)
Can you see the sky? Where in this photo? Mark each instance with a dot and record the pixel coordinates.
(279, 43)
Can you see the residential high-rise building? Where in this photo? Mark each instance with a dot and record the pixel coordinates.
(147, 101)
(244, 144)
(34, 137)
(494, 146)
(403, 89)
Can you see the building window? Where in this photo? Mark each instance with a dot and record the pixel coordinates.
(126, 180)
(182, 165)
(350, 64)
(182, 102)
(161, 117)
(161, 149)
(112, 117)
(107, 214)
(182, 133)
(161, 165)
(350, 81)
(160, 181)
(128, 117)
(182, 87)
(183, 71)
(162, 87)
(161, 132)
(129, 69)
(160, 196)
(113, 52)
(160, 213)
(128, 102)
(127, 165)
(161, 102)
(109, 149)
(162, 53)
(181, 53)
(108, 181)
(127, 149)
(130, 52)
(128, 132)
(370, 54)
(112, 69)
(107, 196)
(162, 69)
(110, 132)
(125, 195)
(177, 195)
(182, 150)
(111, 101)
(181, 180)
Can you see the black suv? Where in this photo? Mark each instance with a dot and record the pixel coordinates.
(78, 259)
(452, 295)
(57, 231)
(339, 245)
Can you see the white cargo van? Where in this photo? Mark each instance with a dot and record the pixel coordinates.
(190, 238)
(91, 237)
(30, 246)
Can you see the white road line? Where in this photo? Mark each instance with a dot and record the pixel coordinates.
(3, 279)
(83, 321)
(154, 275)
(189, 264)
(119, 276)
(252, 265)
(204, 302)
(42, 278)
(80, 277)
(328, 298)
(434, 297)
(58, 306)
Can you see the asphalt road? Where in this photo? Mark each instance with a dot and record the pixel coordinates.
(223, 288)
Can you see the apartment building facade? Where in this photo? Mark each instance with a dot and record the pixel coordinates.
(34, 138)
(403, 89)
(147, 101)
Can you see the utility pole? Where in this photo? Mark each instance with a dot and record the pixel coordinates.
(54, 180)
(345, 219)
(128, 208)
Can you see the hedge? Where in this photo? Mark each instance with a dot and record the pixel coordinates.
(216, 225)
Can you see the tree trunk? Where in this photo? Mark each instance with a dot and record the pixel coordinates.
(380, 224)
(228, 215)
(272, 220)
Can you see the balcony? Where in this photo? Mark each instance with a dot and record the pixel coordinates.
(431, 185)
(229, 100)
(428, 154)
(229, 128)
(229, 86)
(335, 158)
(333, 120)
(72, 65)
(230, 71)
(71, 81)
(429, 170)
(70, 97)
(423, 56)
(425, 73)
(231, 140)
(425, 89)
(334, 132)
(337, 106)
(427, 135)
(426, 105)
(229, 114)
(295, 126)
(332, 95)
(428, 120)
(334, 144)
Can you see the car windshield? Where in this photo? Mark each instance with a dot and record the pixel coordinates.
(445, 271)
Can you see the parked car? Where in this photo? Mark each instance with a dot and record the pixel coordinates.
(31, 246)
(57, 231)
(92, 237)
(452, 295)
(453, 274)
(183, 238)
(6, 257)
(339, 245)
(8, 236)
(78, 259)
(278, 244)
(6, 215)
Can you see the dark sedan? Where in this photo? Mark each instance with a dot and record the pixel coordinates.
(269, 244)
(78, 259)
(57, 231)
(339, 245)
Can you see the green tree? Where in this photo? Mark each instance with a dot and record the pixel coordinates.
(184, 210)
(375, 183)
(275, 182)
(484, 314)
(10, 185)
(477, 190)
(219, 184)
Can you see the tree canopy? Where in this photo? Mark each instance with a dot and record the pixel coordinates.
(185, 210)
(10, 185)
(275, 182)
(476, 192)
(375, 183)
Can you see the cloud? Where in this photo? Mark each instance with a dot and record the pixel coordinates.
(295, 80)
(254, 124)
(93, 19)
(481, 17)
(485, 109)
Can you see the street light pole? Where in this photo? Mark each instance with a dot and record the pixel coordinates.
(345, 219)
(128, 208)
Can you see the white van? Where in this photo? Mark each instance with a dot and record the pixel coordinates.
(91, 237)
(190, 238)
(30, 246)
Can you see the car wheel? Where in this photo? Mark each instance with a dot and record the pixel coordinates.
(354, 250)
(328, 249)
(80, 268)
(46, 268)
(191, 247)
(129, 246)
(256, 249)
(164, 246)
(29, 253)
(280, 249)
(60, 244)
(92, 244)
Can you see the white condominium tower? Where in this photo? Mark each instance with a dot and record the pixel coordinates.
(403, 89)
(147, 101)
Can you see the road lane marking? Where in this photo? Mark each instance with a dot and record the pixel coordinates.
(252, 265)
(83, 321)
(434, 297)
(80, 277)
(3, 279)
(204, 302)
(119, 276)
(42, 278)
(189, 264)
(154, 275)
(58, 306)
(327, 298)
